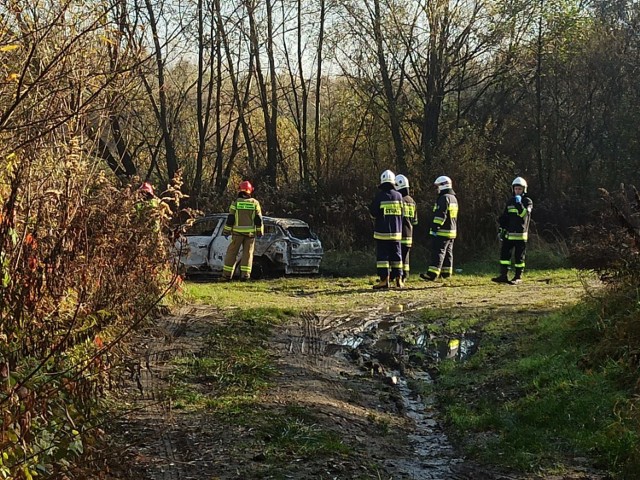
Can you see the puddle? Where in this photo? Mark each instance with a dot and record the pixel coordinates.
(458, 348)
(396, 308)
(433, 456)
(352, 342)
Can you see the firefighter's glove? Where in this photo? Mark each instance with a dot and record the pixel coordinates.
(518, 199)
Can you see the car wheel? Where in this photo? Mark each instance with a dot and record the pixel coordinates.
(261, 268)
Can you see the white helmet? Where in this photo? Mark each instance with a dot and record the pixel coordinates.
(443, 182)
(401, 182)
(519, 181)
(388, 177)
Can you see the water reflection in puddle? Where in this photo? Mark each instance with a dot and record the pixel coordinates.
(352, 342)
(396, 308)
(389, 340)
(458, 348)
(433, 456)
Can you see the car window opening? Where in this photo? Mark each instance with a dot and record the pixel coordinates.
(301, 233)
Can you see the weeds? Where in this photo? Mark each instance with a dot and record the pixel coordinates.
(72, 249)
(537, 406)
(293, 433)
(234, 362)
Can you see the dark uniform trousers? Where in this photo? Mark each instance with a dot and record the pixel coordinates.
(519, 247)
(405, 249)
(388, 256)
(441, 257)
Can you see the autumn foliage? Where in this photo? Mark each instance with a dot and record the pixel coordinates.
(83, 261)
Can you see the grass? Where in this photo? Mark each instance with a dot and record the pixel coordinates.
(236, 368)
(294, 431)
(234, 361)
(524, 401)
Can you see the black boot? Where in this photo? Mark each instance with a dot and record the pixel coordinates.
(502, 278)
(518, 277)
(429, 276)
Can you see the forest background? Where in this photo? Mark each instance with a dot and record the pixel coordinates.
(310, 100)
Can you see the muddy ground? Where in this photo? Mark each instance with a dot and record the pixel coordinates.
(345, 368)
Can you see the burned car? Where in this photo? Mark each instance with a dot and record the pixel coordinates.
(288, 247)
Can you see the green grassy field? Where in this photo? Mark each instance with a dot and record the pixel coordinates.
(527, 399)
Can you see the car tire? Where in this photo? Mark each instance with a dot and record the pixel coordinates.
(261, 268)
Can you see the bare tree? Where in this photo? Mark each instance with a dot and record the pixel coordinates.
(318, 90)
(268, 96)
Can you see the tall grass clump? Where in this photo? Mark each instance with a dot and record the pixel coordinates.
(610, 246)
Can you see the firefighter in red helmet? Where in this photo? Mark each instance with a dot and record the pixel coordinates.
(244, 223)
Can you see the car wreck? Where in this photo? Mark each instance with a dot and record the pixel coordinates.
(287, 247)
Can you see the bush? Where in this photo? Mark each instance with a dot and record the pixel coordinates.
(82, 263)
(610, 246)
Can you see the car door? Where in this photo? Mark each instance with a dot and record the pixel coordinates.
(197, 240)
(218, 247)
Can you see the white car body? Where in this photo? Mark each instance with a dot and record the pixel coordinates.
(287, 247)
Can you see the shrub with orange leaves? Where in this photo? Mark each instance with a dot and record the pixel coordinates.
(80, 268)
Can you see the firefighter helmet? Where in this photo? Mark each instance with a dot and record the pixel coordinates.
(245, 186)
(147, 188)
(401, 182)
(443, 182)
(519, 181)
(388, 177)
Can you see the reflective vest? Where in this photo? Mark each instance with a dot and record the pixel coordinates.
(445, 215)
(245, 217)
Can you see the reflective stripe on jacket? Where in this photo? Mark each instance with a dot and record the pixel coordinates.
(386, 208)
(445, 215)
(245, 217)
(515, 219)
(409, 219)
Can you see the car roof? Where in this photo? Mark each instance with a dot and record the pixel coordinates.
(283, 222)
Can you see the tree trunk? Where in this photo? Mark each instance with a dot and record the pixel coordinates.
(161, 110)
(394, 117)
(316, 126)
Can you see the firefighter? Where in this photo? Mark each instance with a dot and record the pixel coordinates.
(147, 196)
(244, 223)
(386, 208)
(409, 220)
(514, 231)
(147, 205)
(443, 230)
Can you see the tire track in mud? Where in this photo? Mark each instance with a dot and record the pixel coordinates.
(323, 341)
(163, 442)
(332, 364)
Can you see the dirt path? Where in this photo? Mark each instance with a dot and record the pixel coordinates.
(342, 372)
